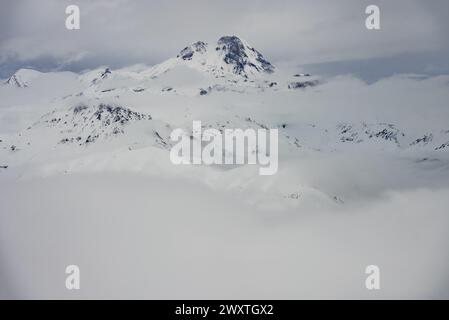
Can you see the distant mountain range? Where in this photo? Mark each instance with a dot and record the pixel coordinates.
(106, 113)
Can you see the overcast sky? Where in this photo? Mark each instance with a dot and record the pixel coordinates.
(323, 36)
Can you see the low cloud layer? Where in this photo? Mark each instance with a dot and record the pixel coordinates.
(206, 245)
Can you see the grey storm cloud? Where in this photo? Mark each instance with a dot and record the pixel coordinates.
(123, 32)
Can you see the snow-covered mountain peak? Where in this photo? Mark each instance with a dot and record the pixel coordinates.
(22, 78)
(96, 76)
(187, 53)
(244, 58)
(229, 57)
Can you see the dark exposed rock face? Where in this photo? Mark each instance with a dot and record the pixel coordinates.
(423, 141)
(302, 84)
(235, 53)
(243, 59)
(85, 124)
(14, 81)
(267, 66)
(357, 134)
(117, 114)
(442, 146)
(103, 75)
(187, 52)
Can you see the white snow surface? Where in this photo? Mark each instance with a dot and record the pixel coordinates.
(86, 179)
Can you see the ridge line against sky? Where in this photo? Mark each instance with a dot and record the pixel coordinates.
(321, 36)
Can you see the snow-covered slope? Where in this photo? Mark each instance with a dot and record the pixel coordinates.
(84, 161)
(120, 120)
(229, 57)
(230, 64)
(23, 78)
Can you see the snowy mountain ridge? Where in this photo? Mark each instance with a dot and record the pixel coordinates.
(122, 119)
(229, 57)
(230, 64)
(22, 78)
